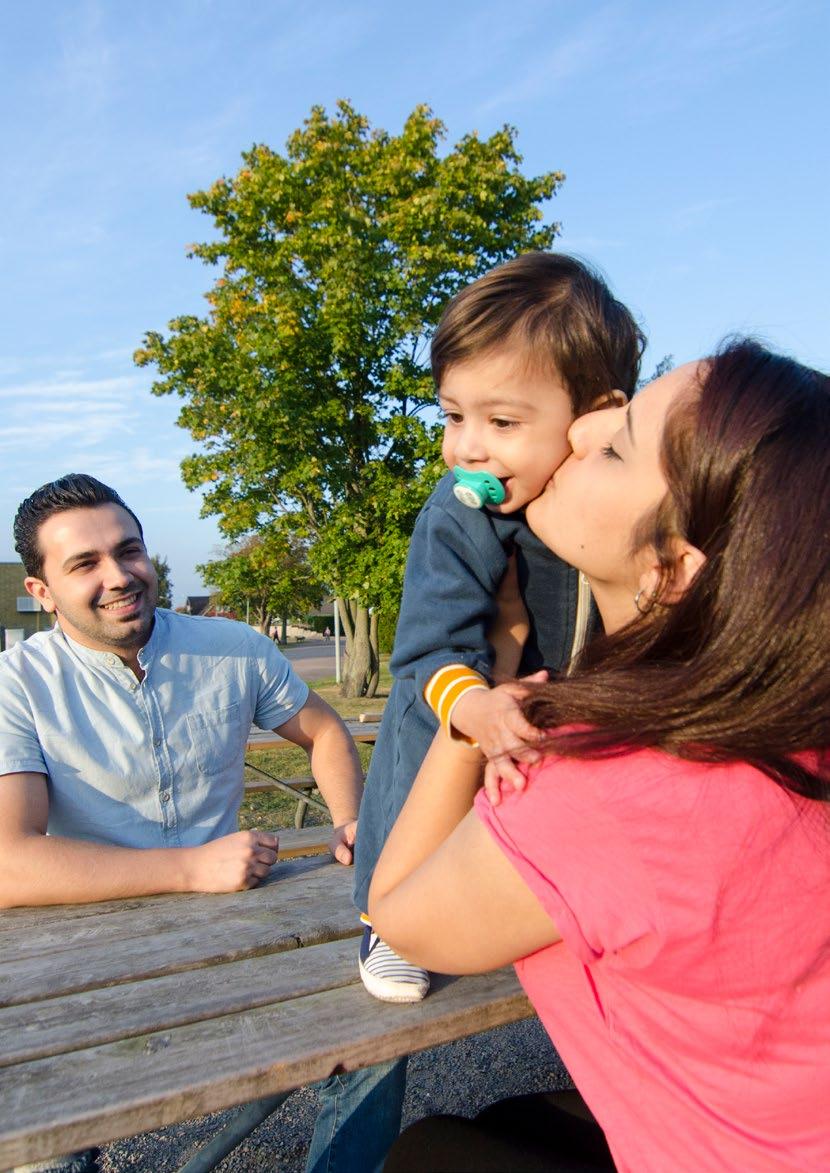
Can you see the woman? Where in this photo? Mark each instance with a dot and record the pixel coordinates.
(665, 873)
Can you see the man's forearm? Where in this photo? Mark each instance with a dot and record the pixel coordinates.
(37, 869)
(337, 772)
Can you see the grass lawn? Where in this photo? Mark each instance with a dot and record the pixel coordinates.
(274, 809)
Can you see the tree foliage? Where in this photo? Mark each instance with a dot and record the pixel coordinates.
(267, 575)
(165, 583)
(305, 383)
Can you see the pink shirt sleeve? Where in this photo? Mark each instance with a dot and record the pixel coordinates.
(565, 836)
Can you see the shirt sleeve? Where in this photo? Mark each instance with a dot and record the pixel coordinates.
(453, 570)
(20, 750)
(280, 691)
(566, 839)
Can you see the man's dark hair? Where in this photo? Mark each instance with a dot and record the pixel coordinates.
(77, 490)
(558, 313)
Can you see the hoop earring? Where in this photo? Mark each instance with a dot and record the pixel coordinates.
(651, 600)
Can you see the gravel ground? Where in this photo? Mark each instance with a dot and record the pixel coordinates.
(460, 1077)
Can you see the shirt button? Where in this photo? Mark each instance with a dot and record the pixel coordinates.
(112, 660)
(156, 741)
(165, 796)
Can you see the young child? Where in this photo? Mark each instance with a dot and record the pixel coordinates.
(516, 356)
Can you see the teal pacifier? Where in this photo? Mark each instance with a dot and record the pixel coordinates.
(477, 489)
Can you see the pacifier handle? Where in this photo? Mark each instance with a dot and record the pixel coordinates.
(477, 489)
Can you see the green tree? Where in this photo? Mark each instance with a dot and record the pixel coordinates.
(305, 383)
(267, 575)
(165, 583)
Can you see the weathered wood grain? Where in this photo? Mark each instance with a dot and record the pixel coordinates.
(76, 1021)
(310, 905)
(69, 1101)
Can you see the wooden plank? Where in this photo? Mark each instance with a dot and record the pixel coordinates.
(20, 924)
(78, 1021)
(259, 739)
(306, 841)
(85, 1097)
(69, 956)
(298, 784)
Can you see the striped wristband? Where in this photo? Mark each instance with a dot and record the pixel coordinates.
(444, 690)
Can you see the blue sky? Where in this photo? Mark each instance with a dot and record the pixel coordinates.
(693, 136)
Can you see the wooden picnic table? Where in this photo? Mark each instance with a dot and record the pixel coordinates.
(305, 787)
(133, 1014)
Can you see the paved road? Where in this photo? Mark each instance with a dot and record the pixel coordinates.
(314, 659)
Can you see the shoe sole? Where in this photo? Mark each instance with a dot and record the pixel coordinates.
(380, 988)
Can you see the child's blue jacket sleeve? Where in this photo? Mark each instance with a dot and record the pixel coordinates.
(455, 565)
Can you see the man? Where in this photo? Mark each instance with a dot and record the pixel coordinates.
(123, 729)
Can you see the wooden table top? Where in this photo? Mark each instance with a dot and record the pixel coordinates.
(133, 1014)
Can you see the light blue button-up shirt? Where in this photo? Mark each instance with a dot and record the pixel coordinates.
(151, 764)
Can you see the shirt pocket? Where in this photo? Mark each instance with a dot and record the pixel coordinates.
(217, 738)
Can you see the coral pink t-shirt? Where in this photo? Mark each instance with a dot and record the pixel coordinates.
(690, 994)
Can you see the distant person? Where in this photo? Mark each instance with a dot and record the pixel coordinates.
(661, 878)
(123, 729)
(326, 635)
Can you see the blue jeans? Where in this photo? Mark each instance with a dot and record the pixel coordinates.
(358, 1119)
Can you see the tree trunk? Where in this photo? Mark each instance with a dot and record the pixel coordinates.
(284, 631)
(347, 610)
(359, 663)
(374, 656)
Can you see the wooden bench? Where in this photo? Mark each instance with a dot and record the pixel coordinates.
(304, 787)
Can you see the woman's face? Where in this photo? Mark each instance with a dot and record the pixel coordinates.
(590, 508)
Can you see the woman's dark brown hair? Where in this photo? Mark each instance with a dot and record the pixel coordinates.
(739, 668)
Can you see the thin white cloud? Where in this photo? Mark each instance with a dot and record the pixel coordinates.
(78, 388)
(578, 54)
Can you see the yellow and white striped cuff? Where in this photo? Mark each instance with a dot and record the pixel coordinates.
(445, 688)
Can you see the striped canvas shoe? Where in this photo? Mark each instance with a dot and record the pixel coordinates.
(386, 975)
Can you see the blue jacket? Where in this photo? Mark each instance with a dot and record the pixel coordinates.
(457, 559)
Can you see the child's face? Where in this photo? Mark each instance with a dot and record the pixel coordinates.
(501, 418)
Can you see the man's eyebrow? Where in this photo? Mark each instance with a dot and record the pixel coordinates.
(119, 548)
(79, 557)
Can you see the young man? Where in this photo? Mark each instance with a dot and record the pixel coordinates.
(123, 729)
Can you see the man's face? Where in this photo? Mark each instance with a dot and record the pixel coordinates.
(97, 578)
(503, 419)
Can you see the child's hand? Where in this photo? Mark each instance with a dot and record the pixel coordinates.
(493, 719)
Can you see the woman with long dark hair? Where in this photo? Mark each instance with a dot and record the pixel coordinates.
(662, 880)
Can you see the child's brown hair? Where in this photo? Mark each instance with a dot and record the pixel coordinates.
(558, 312)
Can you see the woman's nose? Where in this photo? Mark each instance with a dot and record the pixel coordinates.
(589, 431)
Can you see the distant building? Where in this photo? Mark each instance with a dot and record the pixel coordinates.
(204, 605)
(20, 614)
(196, 605)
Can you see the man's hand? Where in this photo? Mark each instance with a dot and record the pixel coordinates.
(231, 863)
(341, 843)
(494, 719)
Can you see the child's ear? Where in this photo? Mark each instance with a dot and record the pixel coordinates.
(688, 561)
(607, 399)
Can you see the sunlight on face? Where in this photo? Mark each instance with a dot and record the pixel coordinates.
(592, 505)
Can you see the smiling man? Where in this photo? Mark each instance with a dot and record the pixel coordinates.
(123, 729)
